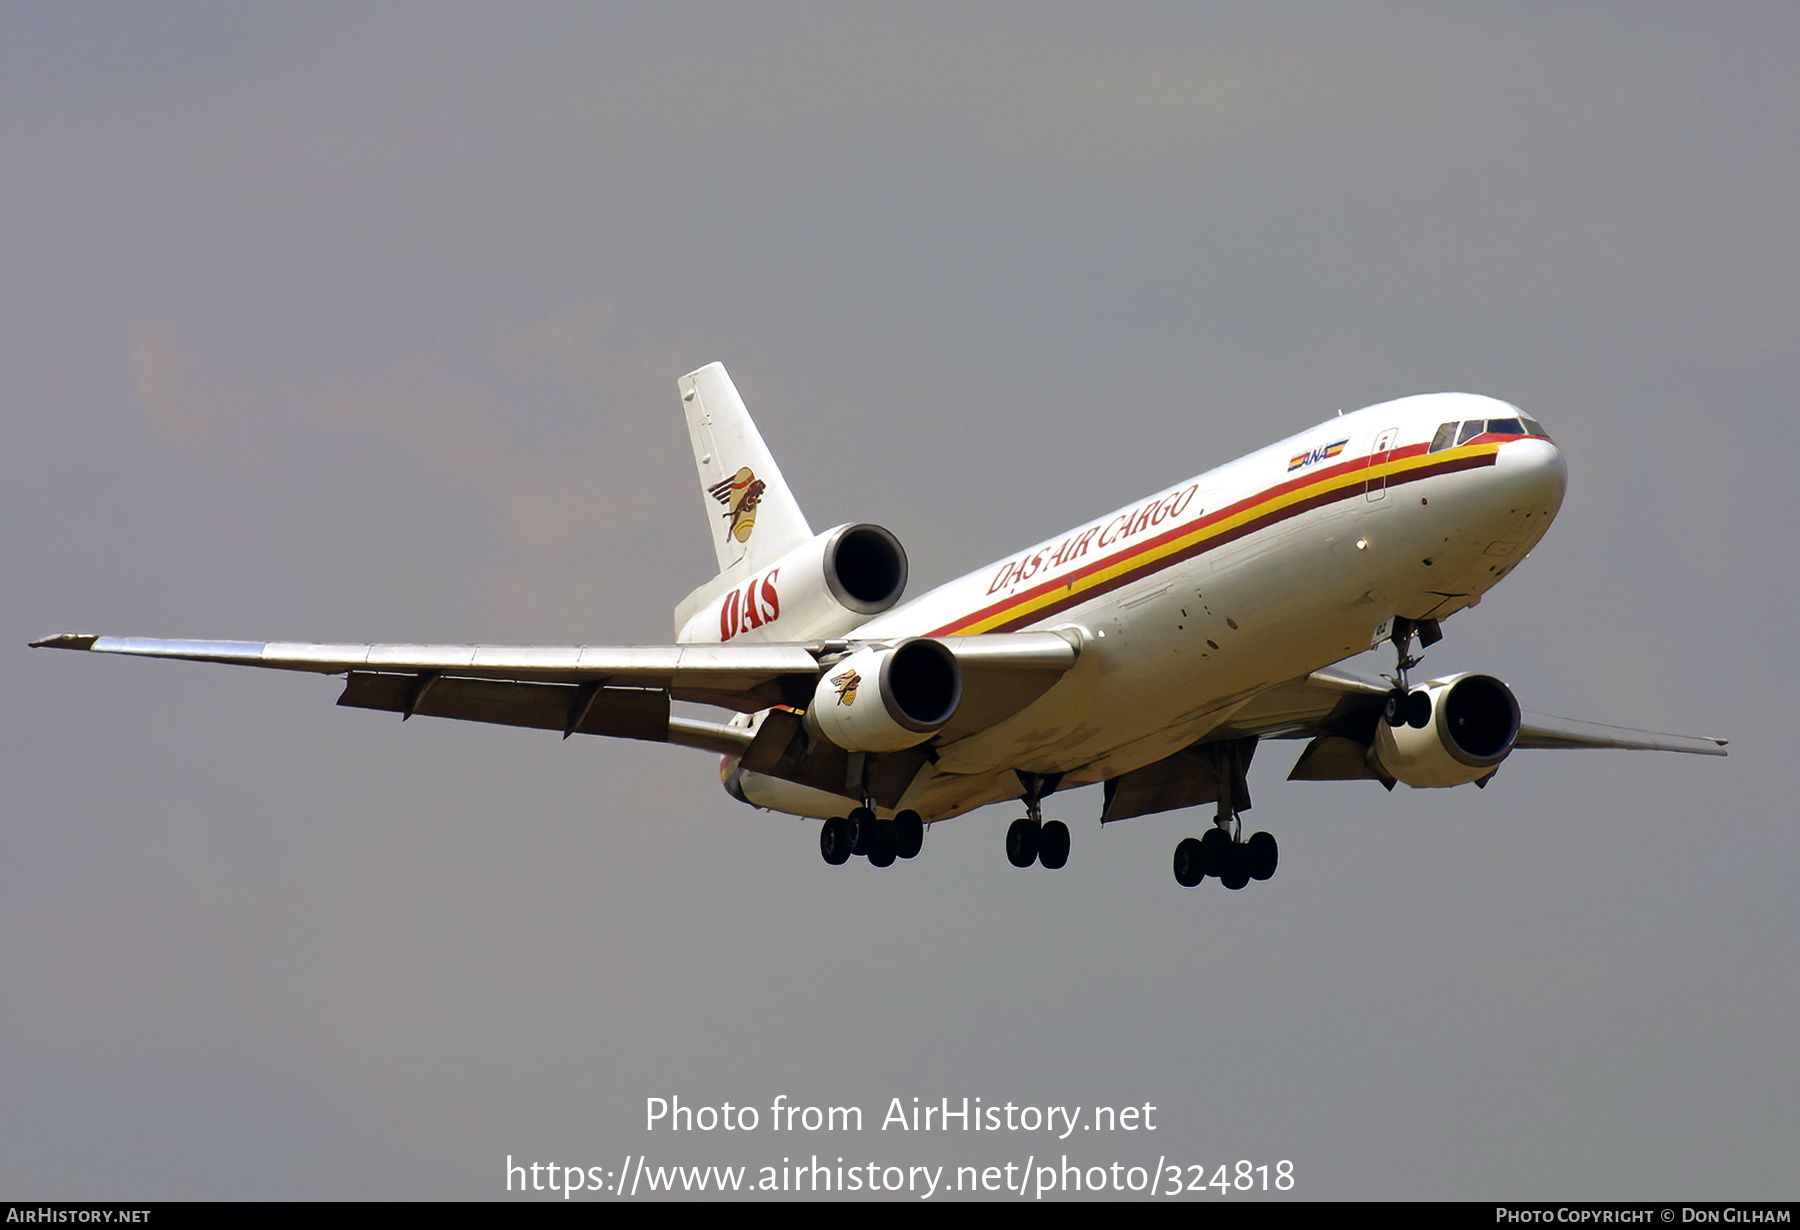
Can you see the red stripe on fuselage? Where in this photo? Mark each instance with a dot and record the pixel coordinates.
(1347, 491)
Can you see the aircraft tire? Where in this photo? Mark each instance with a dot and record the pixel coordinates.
(1261, 855)
(859, 826)
(1187, 863)
(1393, 709)
(1213, 853)
(834, 842)
(1053, 845)
(1418, 709)
(911, 834)
(1022, 843)
(887, 843)
(1235, 872)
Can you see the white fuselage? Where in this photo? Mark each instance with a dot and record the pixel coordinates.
(1192, 601)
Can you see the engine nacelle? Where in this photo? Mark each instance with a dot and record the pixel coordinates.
(825, 587)
(884, 700)
(1474, 720)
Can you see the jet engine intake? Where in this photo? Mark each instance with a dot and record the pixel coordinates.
(1474, 720)
(887, 699)
(826, 587)
(865, 568)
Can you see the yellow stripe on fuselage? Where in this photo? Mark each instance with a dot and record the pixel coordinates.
(1144, 558)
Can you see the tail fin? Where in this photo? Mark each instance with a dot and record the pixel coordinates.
(755, 518)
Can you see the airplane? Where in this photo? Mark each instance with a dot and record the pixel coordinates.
(1150, 650)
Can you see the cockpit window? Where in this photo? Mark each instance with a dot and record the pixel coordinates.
(1461, 433)
(1451, 434)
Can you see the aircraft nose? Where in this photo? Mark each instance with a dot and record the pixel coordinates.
(1534, 473)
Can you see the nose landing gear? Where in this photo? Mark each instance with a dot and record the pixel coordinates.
(1404, 707)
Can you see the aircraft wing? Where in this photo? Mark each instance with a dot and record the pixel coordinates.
(1338, 712)
(1326, 701)
(730, 667)
(622, 691)
(1543, 730)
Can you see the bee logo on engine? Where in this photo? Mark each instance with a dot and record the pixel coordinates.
(846, 687)
(740, 494)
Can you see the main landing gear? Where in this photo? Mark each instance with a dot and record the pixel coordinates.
(1030, 839)
(1235, 863)
(1223, 853)
(879, 841)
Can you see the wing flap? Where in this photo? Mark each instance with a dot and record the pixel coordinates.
(622, 713)
(1192, 776)
(1333, 758)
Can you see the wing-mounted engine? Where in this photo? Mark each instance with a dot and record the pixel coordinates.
(908, 698)
(826, 587)
(1470, 728)
(887, 699)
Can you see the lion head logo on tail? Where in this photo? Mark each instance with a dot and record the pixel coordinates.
(740, 494)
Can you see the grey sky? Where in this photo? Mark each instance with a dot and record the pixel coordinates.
(362, 323)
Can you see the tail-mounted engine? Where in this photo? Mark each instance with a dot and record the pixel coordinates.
(885, 700)
(1468, 731)
(825, 587)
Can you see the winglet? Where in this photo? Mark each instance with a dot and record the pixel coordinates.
(67, 640)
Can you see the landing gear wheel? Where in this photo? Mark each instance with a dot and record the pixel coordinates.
(1022, 843)
(1234, 872)
(1262, 854)
(1187, 863)
(1053, 845)
(881, 851)
(1213, 850)
(1418, 709)
(859, 827)
(910, 834)
(1393, 709)
(834, 842)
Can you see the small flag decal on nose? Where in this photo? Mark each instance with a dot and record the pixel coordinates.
(1322, 453)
